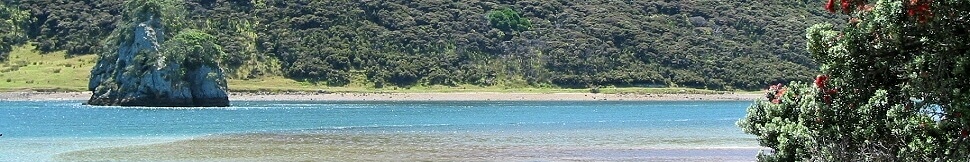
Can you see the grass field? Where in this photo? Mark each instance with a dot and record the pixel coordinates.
(28, 70)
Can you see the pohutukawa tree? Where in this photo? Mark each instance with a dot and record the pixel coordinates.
(894, 87)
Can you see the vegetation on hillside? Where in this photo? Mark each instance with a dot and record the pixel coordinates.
(893, 88)
(528, 43)
(78, 27)
(11, 29)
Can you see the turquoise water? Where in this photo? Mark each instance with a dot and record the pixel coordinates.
(39, 130)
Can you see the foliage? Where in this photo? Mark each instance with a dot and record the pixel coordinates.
(701, 44)
(11, 28)
(507, 19)
(194, 48)
(75, 26)
(234, 24)
(405, 43)
(169, 14)
(893, 88)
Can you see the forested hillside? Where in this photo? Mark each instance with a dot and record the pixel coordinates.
(690, 43)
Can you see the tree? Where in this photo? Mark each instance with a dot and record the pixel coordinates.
(193, 48)
(893, 88)
(508, 20)
(11, 28)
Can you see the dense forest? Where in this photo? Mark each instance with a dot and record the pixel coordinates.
(534, 43)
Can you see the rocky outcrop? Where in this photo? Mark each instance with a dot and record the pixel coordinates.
(142, 73)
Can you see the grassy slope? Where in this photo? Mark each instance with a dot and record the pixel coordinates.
(28, 70)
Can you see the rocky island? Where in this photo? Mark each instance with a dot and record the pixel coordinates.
(148, 69)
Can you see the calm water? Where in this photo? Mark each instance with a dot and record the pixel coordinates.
(37, 131)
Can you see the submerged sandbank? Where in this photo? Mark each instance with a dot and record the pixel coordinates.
(397, 147)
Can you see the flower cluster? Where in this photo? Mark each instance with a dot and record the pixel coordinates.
(846, 6)
(775, 92)
(821, 82)
(920, 9)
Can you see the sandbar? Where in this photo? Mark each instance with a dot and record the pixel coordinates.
(393, 147)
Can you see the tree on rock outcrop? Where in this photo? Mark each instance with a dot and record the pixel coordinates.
(893, 88)
(145, 64)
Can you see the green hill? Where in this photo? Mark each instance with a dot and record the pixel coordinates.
(469, 43)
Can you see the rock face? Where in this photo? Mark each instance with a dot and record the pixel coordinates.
(140, 74)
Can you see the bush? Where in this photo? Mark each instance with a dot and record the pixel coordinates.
(893, 89)
(194, 48)
(507, 19)
(595, 89)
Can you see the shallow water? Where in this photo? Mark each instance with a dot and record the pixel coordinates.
(518, 131)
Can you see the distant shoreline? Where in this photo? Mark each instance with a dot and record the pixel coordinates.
(435, 96)
(491, 96)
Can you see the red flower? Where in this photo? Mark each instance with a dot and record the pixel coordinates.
(854, 20)
(865, 7)
(846, 7)
(920, 9)
(830, 6)
(820, 81)
(781, 92)
(778, 95)
(777, 90)
(964, 133)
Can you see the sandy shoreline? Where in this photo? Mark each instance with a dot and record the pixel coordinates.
(476, 96)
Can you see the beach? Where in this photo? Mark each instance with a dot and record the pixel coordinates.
(462, 96)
